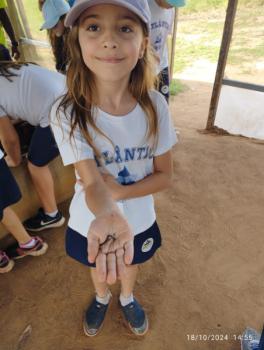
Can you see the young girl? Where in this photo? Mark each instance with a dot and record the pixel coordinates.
(54, 12)
(27, 93)
(112, 118)
(162, 14)
(27, 245)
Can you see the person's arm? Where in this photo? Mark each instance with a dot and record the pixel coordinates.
(10, 32)
(158, 181)
(111, 256)
(164, 4)
(98, 198)
(108, 220)
(10, 141)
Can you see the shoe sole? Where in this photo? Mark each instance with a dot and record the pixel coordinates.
(8, 267)
(54, 224)
(133, 331)
(39, 252)
(99, 329)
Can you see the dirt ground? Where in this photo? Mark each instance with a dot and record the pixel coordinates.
(205, 281)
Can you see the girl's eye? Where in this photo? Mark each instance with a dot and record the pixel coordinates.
(93, 28)
(125, 29)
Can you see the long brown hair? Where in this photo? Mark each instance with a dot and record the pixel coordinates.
(81, 90)
(58, 44)
(59, 48)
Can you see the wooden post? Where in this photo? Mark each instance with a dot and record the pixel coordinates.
(226, 40)
(31, 51)
(16, 24)
(24, 20)
(173, 42)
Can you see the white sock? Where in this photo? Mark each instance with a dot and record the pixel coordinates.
(105, 300)
(28, 244)
(126, 300)
(53, 214)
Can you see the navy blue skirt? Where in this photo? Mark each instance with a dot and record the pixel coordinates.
(9, 190)
(145, 245)
(43, 148)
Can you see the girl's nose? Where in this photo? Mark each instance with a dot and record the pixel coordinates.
(109, 40)
(109, 44)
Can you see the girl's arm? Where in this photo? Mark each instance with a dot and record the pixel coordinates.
(164, 4)
(158, 181)
(10, 141)
(108, 220)
(98, 198)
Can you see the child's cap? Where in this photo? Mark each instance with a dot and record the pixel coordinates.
(52, 10)
(139, 7)
(176, 3)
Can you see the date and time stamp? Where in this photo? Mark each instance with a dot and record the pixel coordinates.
(217, 337)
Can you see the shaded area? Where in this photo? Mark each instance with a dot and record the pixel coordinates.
(206, 279)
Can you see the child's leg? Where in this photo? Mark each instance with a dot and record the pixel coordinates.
(101, 289)
(28, 245)
(14, 226)
(132, 310)
(128, 281)
(95, 314)
(44, 185)
(41, 152)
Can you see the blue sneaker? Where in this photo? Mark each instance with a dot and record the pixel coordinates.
(250, 339)
(136, 318)
(94, 318)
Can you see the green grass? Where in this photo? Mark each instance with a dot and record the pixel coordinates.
(176, 86)
(194, 6)
(199, 33)
(200, 30)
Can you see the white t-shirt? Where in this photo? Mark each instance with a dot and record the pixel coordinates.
(30, 94)
(1, 154)
(161, 26)
(130, 160)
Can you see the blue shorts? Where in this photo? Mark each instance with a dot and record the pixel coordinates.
(43, 148)
(145, 245)
(164, 83)
(9, 190)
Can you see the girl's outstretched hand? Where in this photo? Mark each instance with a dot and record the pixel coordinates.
(110, 244)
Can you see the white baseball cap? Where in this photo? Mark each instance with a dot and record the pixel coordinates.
(139, 7)
(52, 10)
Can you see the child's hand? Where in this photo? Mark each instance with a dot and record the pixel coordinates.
(114, 187)
(110, 255)
(110, 266)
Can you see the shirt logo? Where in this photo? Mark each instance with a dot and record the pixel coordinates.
(147, 245)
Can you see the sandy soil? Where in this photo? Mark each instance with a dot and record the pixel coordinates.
(207, 278)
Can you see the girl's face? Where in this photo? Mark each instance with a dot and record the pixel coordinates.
(59, 28)
(111, 40)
